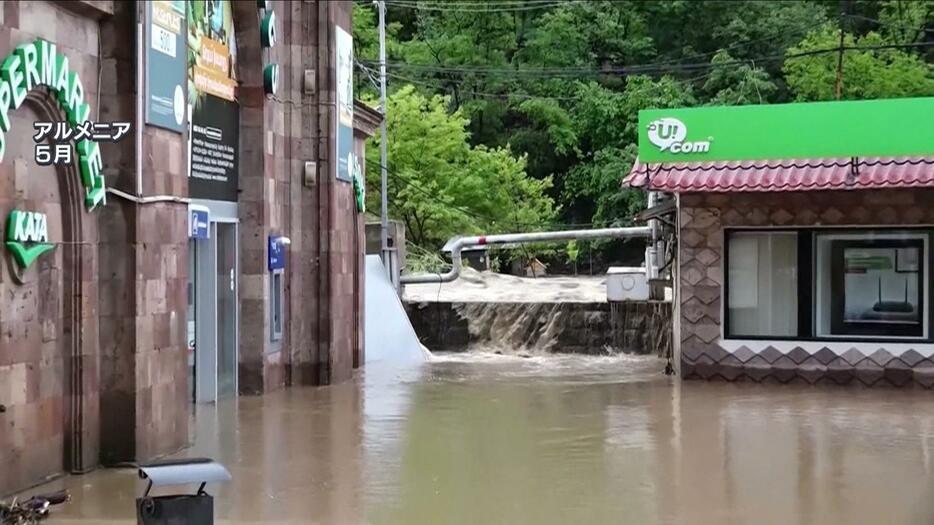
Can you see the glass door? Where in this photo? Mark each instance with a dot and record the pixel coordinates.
(227, 322)
(190, 314)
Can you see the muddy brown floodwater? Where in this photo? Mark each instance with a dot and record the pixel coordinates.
(553, 440)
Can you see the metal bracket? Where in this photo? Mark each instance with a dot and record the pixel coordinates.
(853, 175)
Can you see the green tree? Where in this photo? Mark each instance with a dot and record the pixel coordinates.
(441, 186)
(607, 123)
(737, 85)
(867, 74)
(557, 88)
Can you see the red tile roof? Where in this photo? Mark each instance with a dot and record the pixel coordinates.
(784, 175)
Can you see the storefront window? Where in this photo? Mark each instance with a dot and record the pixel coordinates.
(762, 284)
(870, 284)
(827, 284)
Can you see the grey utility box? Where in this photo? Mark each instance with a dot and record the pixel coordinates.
(626, 284)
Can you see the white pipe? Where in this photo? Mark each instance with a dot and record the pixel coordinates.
(148, 200)
(653, 251)
(383, 145)
(139, 103)
(515, 238)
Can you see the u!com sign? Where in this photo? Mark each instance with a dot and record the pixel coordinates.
(865, 128)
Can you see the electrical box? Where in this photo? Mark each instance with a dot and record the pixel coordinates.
(624, 283)
(311, 173)
(308, 82)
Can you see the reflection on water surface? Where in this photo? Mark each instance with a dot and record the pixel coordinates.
(482, 438)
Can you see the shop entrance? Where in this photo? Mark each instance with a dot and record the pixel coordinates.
(213, 324)
(227, 332)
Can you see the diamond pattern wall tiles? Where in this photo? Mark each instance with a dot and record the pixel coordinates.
(703, 216)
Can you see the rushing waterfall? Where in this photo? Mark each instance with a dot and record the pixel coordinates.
(514, 327)
(596, 328)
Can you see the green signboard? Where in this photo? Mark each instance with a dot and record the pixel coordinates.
(868, 128)
(27, 236)
(38, 64)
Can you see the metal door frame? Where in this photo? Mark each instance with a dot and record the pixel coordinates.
(236, 311)
(206, 307)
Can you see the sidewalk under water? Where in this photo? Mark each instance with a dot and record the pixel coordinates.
(481, 438)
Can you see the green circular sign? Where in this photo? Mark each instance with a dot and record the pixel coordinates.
(271, 79)
(268, 29)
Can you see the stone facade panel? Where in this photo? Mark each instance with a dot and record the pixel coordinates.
(705, 353)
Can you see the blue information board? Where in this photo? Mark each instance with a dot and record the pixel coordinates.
(199, 220)
(276, 254)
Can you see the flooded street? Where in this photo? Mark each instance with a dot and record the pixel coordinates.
(477, 438)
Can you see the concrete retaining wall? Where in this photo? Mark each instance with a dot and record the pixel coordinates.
(577, 328)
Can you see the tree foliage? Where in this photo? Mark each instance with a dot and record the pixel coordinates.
(441, 185)
(545, 100)
(874, 73)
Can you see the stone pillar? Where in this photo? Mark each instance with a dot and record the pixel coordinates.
(143, 272)
(323, 276)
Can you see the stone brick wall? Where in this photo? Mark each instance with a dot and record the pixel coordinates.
(323, 277)
(261, 139)
(49, 367)
(704, 351)
(345, 233)
(93, 349)
(144, 271)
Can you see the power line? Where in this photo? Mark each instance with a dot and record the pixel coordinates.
(838, 84)
(669, 61)
(744, 43)
(468, 3)
(672, 60)
(439, 84)
(891, 24)
(501, 96)
(640, 69)
(478, 7)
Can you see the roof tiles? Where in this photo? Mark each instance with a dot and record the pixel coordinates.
(784, 175)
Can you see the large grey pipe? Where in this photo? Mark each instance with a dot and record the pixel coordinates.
(517, 238)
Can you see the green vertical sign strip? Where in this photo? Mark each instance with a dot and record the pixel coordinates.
(870, 128)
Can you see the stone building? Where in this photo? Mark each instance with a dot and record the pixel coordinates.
(134, 284)
(793, 268)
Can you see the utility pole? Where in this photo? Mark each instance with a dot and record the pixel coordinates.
(838, 85)
(383, 153)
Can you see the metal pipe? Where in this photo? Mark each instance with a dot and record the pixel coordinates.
(150, 199)
(383, 145)
(651, 251)
(139, 101)
(516, 238)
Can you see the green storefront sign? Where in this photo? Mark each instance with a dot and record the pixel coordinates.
(27, 236)
(39, 64)
(869, 128)
(29, 66)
